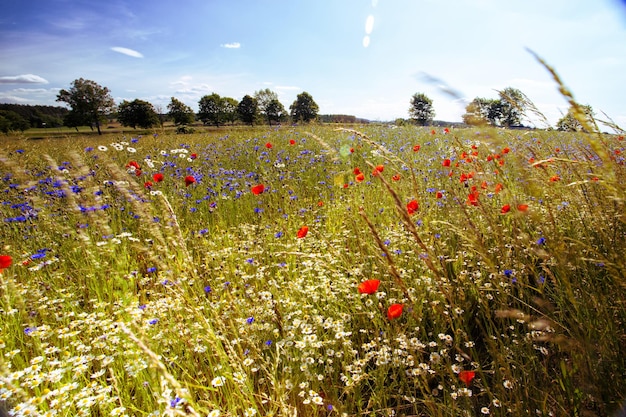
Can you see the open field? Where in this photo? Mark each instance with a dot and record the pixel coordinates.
(315, 272)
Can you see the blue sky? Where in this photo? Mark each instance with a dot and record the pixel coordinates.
(360, 57)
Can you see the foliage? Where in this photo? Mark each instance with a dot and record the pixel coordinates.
(248, 110)
(421, 110)
(508, 110)
(571, 121)
(89, 103)
(269, 106)
(180, 113)
(10, 121)
(229, 108)
(304, 108)
(211, 109)
(137, 113)
(37, 115)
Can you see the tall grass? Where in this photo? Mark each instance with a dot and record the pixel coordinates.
(126, 298)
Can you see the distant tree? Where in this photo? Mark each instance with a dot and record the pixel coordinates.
(267, 104)
(137, 113)
(248, 110)
(90, 103)
(513, 106)
(275, 111)
(10, 121)
(211, 109)
(180, 113)
(304, 108)
(573, 120)
(230, 109)
(477, 112)
(421, 110)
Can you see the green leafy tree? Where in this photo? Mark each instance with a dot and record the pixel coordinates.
(180, 113)
(266, 100)
(304, 108)
(275, 111)
(90, 103)
(421, 110)
(211, 109)
(513, 106)
(230, 106)
(10, 121)
(137, 113)
(575, 121)
(248, 110)
(477, 112)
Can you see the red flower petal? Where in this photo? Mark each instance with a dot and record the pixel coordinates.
(5, 261)
(412, 206)
(189, 179)
(257, 189)
(302, 232)
(369, 287)
(467, 376)
(394, 311)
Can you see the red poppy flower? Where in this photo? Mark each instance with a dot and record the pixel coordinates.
(498, 188)
(356, 171)
(379, 168)
(158, 177)
(133, 164)
(467, 376)
(369, 287)
(320, 203)
(555, 178)
(302, 232)
(522, 207)
(345, 186)
(292, 142)
(360, 177)
(472, 198)
(446, 162)
(193, 155)
(412, 206)
(505, 209)
(189, 179)
(396, 177)
(5, 261)
(137, 172)
(446, 130)
(268, 145)
(506, 150)
(416, 148)
(394, 311)
(257, 189)
(148, 184)
(351, 150)
(432, 132)
(439, 194)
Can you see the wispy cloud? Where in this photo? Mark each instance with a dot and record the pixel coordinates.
(23, 79)
(127, 51)
(233, 45)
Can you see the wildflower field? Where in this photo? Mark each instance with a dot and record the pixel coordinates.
(310, 271)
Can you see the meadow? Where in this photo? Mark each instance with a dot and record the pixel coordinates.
(314, 271)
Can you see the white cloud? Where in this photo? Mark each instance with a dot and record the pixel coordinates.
(233, 45)
(127, 51)
(23, 79)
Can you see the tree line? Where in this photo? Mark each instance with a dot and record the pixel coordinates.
(90, 105)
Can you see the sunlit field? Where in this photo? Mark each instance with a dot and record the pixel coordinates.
(310, 271)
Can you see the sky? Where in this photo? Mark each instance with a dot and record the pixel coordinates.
(359, 57)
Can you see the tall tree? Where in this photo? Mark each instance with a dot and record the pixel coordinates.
(89, 103)
(10, 121)
(421, 110)
(137, 113)
(266, 100)
(211, 109)
(230, 109)
(304, 108)
(574, 121)
(275, 111)
(477, 112)
(513, 106)
(248, 110)
(181, 113)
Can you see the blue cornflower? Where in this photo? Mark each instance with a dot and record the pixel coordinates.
(207, 289)
(541, 240)
(508, 273)
(250, 261)
(29, 330)
(268, 343)
(151, 269)
(249, 320)
(153, 321)
(175, 402)
(278, 235)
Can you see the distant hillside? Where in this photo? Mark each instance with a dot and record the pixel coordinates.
(340, 118)
(38, 116)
